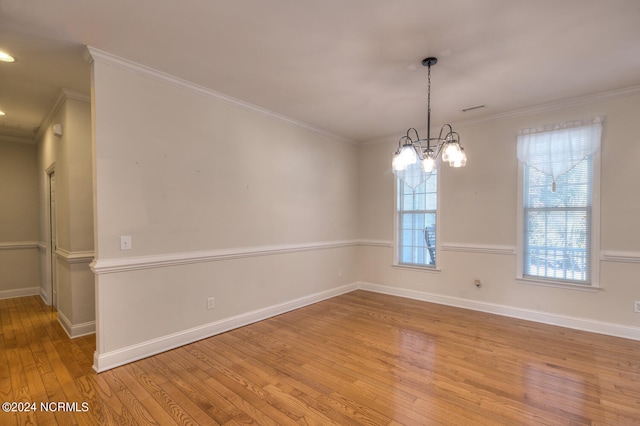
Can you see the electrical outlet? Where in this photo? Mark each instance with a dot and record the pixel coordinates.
(125, 242)
(636, 306)
(211, 303)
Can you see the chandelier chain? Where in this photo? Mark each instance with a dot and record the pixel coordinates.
(428, 104)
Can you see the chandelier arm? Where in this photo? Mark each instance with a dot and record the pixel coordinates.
(402, 139)
(415, 131)
(448, 133)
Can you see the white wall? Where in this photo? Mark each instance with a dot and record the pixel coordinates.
(225, 200)
(70, 155)
(19, 268)
(221, 200)
(478, 223)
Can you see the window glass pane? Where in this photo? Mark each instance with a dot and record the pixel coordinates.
(430, 201)
(416, 214)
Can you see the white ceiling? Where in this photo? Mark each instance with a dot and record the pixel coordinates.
(349, 67)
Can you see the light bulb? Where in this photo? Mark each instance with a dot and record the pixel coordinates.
(459, 160)
(408, 155)
(451, 152)
(397, 163)
(5, 57)
(428, 164)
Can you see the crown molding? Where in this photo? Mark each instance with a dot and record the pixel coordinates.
(92, 55)
(63, 95)
(553, 106)
(535, 109)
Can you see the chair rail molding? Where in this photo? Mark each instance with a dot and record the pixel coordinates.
(620, 256)
(76, 256)
(479, 248)
(109, 266)
(19, 245)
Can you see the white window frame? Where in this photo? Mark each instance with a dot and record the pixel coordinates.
(594, 256)
(396, 230)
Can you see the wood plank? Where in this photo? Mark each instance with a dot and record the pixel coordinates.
(359, 358)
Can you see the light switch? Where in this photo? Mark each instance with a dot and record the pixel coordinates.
(125, 242)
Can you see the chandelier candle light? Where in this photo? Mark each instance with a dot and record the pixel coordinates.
(416, 158)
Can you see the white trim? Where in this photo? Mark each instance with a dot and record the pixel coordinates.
(76, 330)
(109, 266)
(116, 358)
(610, 329)
(416, 267)
(19, 245)
(376, 243)
(460, 247)
(48, 249)
(595, 216)
(535, 109)
(19, 292)
(479, 248)
(520, 222)
(106, 361)
(63, 95)
(620, 256)
(45, 296)
(145, 71)
(553, 106)
(558, 284)
(76, 256)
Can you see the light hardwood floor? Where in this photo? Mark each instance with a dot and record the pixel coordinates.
(360, 358)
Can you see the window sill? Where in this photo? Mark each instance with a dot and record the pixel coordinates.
(560, 284)
(416, 268)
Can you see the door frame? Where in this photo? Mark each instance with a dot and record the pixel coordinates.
(51, 267)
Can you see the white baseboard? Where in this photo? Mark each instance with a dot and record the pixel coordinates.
(45, 296)
(109, 360)
(20, 292)
(76, 330)
(583, 324)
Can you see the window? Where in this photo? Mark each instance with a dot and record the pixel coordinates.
(416, 220)
(556, 224)
(558, 206)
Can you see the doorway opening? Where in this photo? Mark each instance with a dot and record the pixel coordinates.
(52, 238)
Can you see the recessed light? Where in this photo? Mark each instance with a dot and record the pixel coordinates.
(5, 57)
(2, 113)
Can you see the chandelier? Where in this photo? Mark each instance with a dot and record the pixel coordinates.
(416, 156)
